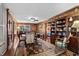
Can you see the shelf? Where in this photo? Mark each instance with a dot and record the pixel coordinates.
(53, 33)
(61, 28)
(60, 23)
(61, 31)
(60, 19)
(53, 28)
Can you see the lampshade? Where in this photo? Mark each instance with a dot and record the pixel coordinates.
(71, 19)
(76, 24)
(18, 27)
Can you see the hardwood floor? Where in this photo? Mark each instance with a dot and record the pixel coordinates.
(10, 52)
(23, 51)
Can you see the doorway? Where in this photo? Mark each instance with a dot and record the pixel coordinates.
(10, 30)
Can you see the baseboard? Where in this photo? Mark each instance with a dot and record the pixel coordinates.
(4, 52)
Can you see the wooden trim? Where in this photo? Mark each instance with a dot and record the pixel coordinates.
(45, 31)
(27, 23)
(13, 32)
(7, 28)
(2, 44)
(8, 14)
(67, 13)
(45, 21)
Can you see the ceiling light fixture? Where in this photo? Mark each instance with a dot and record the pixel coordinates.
(33, 18)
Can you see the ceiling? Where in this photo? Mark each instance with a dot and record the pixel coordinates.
(42, 11)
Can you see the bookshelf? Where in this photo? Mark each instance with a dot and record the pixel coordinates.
(53, 31)
(53, 28)
(58, 30)
(61, 28)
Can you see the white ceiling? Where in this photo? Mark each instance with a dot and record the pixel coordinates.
(41, 10)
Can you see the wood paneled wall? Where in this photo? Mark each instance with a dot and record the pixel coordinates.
(33, 26)
(43, 28)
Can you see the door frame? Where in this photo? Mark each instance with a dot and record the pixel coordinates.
(7, 28)
(8, 41)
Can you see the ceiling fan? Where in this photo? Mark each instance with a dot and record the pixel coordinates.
(34, 19)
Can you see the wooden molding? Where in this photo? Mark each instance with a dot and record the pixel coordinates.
(68, 13)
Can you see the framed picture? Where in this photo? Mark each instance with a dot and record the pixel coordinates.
(25, 28)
